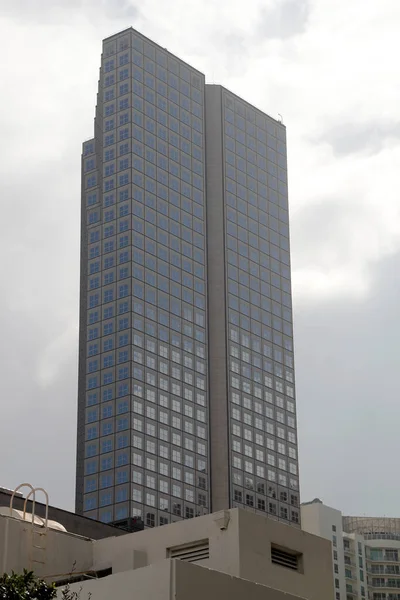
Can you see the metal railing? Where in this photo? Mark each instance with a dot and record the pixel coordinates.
(38, 531)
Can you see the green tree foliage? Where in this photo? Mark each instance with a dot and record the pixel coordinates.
(25, 586)
(29, 587)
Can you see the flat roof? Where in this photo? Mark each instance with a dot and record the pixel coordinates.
(133, 30)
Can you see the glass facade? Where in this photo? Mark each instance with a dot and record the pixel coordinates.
(146, 437)
(144, 400)
(263, 441)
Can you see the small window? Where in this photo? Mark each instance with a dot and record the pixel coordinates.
(150, 519)
(333, 527)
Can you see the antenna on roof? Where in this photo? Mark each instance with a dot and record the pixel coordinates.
(280, 118)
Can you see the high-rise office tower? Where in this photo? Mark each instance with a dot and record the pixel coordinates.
(186, 377)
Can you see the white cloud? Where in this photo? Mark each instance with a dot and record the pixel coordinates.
(347, 219)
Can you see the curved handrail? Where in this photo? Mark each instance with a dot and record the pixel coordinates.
(33, 491)
(16, 490)
(32, 494)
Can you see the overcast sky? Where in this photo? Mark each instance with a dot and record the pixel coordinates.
(330, 67)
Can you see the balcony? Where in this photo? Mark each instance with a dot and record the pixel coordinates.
(383, 559)
(349, 563)
(350, 592)
(386, 584)
(377, 570)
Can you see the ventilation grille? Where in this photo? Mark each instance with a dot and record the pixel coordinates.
(191, 552)
(284, 558)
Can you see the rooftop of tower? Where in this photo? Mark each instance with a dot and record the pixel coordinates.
(148, 40)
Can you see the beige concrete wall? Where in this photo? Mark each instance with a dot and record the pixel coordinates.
(175, 580)
(63, 550)
(256, 537)
(193, 582)
(149, 583)
(239, 546)
(311, 518)
(243, 550)
(153, 543)
(319, 519)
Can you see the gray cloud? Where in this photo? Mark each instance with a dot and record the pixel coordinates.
(284, 20)
(235, 44)
(38, 425)
(351, 138)
(232, 49)
(54, 11)
(323, 232)
(347, 365)
(39, 235)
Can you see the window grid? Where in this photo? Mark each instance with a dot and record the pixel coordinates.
(137, 319)
(261, 379)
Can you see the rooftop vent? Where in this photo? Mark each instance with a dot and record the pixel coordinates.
(193, 552)
(285, 558)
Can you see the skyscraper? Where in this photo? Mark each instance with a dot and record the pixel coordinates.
(186, 378)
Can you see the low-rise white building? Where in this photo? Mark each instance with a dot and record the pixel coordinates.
(381, 537)
(365, 552)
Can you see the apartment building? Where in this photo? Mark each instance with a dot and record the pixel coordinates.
(365, 552)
